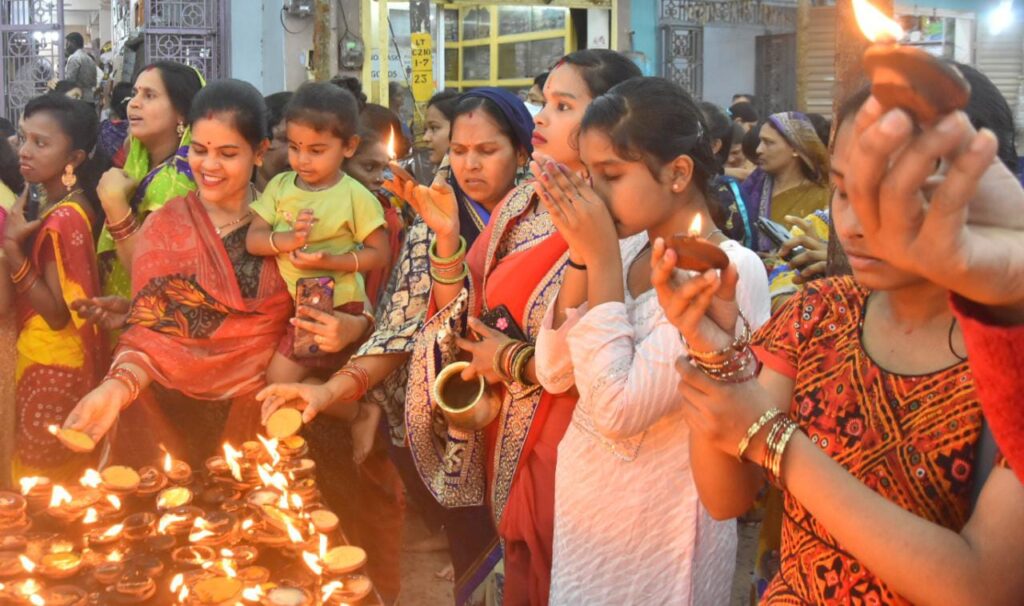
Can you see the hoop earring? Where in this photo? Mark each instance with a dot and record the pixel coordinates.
(180, 130)
(69, 179)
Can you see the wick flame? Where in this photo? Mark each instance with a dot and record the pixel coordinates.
(91, 479)
(323, 546)
(252, 594)
(116, 502)
(90, 516)
(874, 24)
(293, 532)
(27, 564)
(696, 227)
(391, 144)
(167, 520)
(296, 502)
(271, 448)
(229, 568)
(200, 531)
(36, 600)
(247, 524)
(30, 587)
(114, 556)
(60, 496)
(313, 563)
(231, 457)
(113, 531)
(329, 589)
(27, 484)
(167, 462)
(177, 582)
(53, 429)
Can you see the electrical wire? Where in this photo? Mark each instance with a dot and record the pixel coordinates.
(301, 31)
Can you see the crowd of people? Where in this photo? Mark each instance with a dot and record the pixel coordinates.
(205, 255)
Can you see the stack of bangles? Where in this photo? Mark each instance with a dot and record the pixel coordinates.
(449, 270)
(733, 364)
(357, 374)
(511, 360)
(125, 228)
(781, 429)
(128, 378)
(25, 277)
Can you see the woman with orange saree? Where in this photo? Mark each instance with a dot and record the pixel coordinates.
(60, 356)
(517, 264)
(205, 316)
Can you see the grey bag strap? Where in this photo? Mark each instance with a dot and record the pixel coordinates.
(984, 461)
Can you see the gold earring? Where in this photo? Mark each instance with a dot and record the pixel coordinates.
(69, 179)
(181, 129)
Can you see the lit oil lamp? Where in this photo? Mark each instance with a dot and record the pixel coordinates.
(57, 566)
(906, 77)
(104, 539)
(325, 521)
(37, 491)
(193, 555)
(135, 586)
(253, 576)
(177, 471)
(353, 588)
(139, 526)
(72, 439)
(151, 481)
(344, 559)
(217, 591)
(66, 595)
(26, 590)
(173, 498)
(120, 479)
(288, 596)
(395, 167)
(11, 565)
(695, 253)
(107, 573)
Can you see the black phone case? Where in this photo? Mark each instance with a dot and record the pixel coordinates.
(317, 293)
(501, 320)
(771, 230)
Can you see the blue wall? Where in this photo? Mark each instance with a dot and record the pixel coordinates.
(644, 23)
(257, 44)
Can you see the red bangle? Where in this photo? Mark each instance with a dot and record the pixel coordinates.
(357, 374)
(128, 378)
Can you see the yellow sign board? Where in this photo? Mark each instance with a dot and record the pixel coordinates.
(422, 66)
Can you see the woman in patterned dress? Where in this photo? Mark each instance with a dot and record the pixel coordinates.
(52, 263)
(872, 369)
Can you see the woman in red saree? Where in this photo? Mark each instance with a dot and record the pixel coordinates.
(517, 263)
(205, 316)
(60, 356)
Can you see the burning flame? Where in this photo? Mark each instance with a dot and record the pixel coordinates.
(114, 556)
(231, 457)
(60, 496)
(391, 144)
(876, 25)
(30, 587)
(27, 564)
(229, 568)
(200, 531)
(91, 479)
(167, 519)
(296, 502)
(293, 533)
(90, 516)
(53, 429)
(330, 589)
(252, 594)
(116, 502)
(112, 532)
(168, 462)
(696, 227)
(323, 546)
(27, 484)
(247, 524)
(178, 586)
(271, 447)
(36, 600)
(313, 563)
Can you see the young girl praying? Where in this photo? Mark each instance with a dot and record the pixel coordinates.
(319, 221)
(629, 527)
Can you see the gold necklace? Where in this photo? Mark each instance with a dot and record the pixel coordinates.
(221, 228)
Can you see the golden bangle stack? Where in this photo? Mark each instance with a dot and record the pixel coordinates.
(752, 431)
(448, 270)
(778, 438)
(511, 360)
(25, 277)
(733, 364)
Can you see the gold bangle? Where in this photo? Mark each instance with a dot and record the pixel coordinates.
(496, 362)
(780, 450)
(752, 431)
(273, 246)
(440, 279)
(356, 257)
(739, 343)
(769, 449)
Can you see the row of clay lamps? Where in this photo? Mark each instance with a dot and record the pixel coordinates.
(123, 535)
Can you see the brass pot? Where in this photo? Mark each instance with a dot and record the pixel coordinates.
(469, 406)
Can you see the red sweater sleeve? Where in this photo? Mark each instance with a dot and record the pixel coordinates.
(996, 354)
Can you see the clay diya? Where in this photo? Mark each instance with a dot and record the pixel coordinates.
(284, 423)
(694, 253)
(56, 566)
(151, 481)
(173, 498)
(120, 479)
(344, 559)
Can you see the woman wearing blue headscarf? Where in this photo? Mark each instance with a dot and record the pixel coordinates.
(490, 144)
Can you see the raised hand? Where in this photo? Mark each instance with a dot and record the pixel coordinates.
(435, 204)
(579, 214)
(16, 228)
(702, 308)
(115, 190)
(960, 227)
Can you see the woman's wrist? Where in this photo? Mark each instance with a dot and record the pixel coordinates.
(120, 392)
(446, 245)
